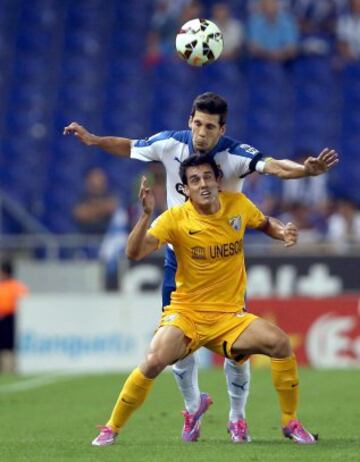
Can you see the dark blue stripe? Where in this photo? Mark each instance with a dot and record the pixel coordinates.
(183, 136)
(233, 147)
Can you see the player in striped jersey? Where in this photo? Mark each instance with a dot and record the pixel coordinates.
(206, 135)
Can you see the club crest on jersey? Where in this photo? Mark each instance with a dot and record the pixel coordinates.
(170, 317)
(198, 253)
(235, 223)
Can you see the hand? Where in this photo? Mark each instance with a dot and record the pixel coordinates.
(146, 197)
(80, 132)
(290, 235)
(322, 163)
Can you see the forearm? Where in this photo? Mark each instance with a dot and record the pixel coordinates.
(112, 144)
(135, 248)
(286, 169)
(274, 228)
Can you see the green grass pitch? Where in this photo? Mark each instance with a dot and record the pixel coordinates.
(56, 421)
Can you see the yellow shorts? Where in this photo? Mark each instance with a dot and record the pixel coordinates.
(213, 330)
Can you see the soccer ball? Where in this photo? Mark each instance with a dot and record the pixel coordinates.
(199, 42)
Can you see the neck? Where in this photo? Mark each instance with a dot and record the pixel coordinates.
(208, 209)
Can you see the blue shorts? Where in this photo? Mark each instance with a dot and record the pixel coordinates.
(170, 266)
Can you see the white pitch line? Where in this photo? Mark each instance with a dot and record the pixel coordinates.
(30, 384)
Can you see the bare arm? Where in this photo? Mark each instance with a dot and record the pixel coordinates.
(140, 242)
(95, 209)
(276, 229)
(313, 166)
(279, 55)
(113, 144)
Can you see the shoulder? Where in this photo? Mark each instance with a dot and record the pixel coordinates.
(171, 214)
(236, 198)
(237, 148)
(182, 136)
(232, 197)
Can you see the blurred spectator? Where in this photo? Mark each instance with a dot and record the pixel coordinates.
(317, 21)
(313, 194)
(263, 191)
(168, 17)
(156, 176)
(272, 32)
(97, 205)
(192, 9)
(348, 32)
(305, 220)
(112, 249)
(311, 191)
(344, 225)
(164, 24)
(231, 28)
(11, 291)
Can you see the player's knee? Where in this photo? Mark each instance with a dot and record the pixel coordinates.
(280, 347)
(154, 364)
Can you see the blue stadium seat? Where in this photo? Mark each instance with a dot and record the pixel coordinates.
(84, 62)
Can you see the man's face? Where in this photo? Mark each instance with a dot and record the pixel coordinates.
(202, 187)
(206, 130)
(96, 181)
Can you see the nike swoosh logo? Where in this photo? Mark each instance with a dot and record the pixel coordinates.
(191, 232)
(293, 385)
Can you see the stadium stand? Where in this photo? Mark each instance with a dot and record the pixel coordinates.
(63, 62)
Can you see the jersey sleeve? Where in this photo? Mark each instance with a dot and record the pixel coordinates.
(151, 149)
(163, 229)
(246, 159)
(255, 217)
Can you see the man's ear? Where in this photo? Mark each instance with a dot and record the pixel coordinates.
(186, 190)
(189, 121)
(223, 129)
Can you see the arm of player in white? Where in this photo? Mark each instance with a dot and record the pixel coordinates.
(140, 242)
(112, 144)
(313, 166)
(276, 229)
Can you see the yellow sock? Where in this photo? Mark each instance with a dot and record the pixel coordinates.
(132, 395)
(286, 381)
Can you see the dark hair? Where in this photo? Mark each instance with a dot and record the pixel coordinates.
(211, 103)
(195, 161)
(7, 268)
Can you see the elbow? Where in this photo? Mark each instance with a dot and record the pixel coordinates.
(132, 254)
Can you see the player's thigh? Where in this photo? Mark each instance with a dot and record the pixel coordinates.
(224, 331)
(168, 344)
(260, 336)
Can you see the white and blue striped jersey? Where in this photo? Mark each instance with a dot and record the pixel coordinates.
(172, 147)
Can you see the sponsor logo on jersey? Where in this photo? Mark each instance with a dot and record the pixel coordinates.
(249, 149)
(235, 223)
(198, 253)
(226, 250)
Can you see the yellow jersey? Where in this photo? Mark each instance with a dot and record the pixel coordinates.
(209, 251)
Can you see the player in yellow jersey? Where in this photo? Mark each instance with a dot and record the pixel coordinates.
(207, 307)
